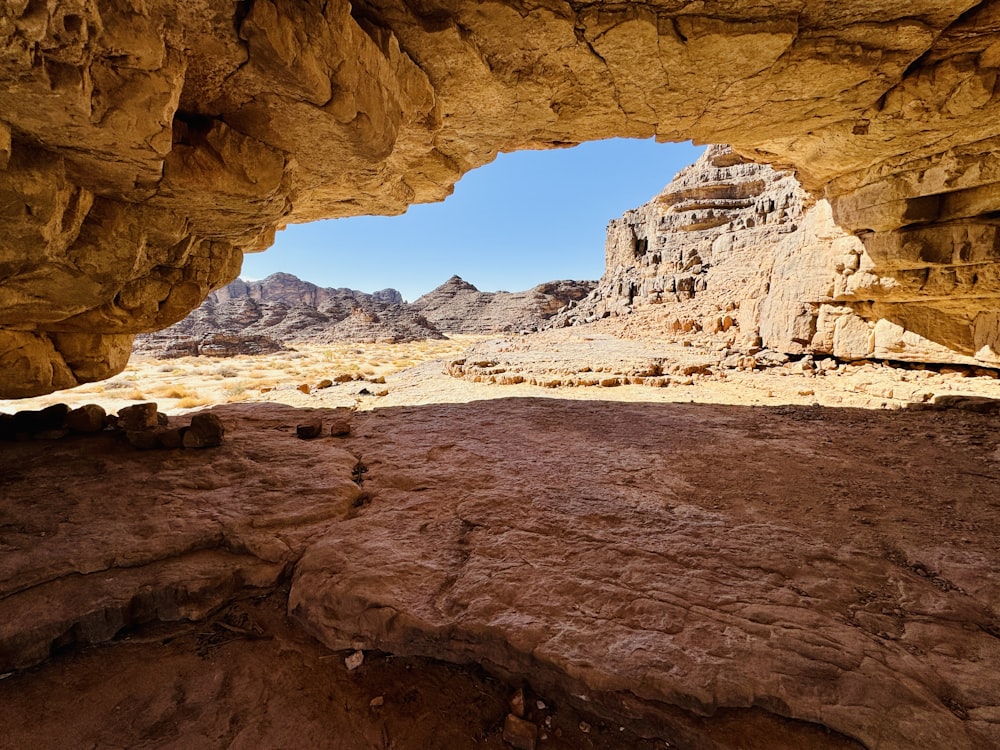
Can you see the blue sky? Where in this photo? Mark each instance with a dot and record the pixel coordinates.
(525, 218)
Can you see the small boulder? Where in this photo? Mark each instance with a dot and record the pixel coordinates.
(304, 388)
(309, 430)
(325, 383)
(340, 428)
(206, 431)
(138, 417)
(144, 440)
(520, 733)
(44, 420)
(171, 439)
(87, 418)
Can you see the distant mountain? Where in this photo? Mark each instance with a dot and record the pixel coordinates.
(291, 290)
(458, 307)
(250, 317)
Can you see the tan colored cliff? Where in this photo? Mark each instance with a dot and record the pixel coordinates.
(732, 240)
(145, 145)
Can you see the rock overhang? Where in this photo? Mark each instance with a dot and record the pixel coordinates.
(145, 146)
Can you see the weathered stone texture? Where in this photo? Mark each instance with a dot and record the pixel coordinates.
(144, 145)
(731, 238)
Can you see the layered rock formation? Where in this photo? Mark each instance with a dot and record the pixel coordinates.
(86, 563)
(145, 145)
(260, 316)
(291, 290)
(731, 243)
(458, 307)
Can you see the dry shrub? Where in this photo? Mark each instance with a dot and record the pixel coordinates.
(189, 402)
(172, 391)
(237, 392)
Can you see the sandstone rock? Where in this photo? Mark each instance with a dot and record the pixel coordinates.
(640, 566)
(853, 338)
(79, 566)
(144, 152)
(309, 430)
(51, 418)
(519, 733)
(206, 431)
(517, 703)
(340, 428)
(256, 317)
(458, 307)
(144, 440)
(138, 417)
(87, 418)
(171, 439)
(730, 235)
(354, 660)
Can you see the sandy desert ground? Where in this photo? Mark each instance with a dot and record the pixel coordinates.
(570, 363)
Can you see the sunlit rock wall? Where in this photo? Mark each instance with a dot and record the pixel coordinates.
(145, 145)
(728, 238)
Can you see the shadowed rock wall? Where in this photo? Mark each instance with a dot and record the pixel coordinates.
(145, 145)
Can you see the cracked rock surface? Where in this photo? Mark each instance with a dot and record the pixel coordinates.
(712, 576)
(97, 537)
(696, 562)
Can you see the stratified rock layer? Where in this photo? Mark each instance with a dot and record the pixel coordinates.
(458, 307)
(734, 244)
(714, 576)
(145, 145)
(124, 537)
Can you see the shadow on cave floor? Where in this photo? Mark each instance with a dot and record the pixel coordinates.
(654, 562)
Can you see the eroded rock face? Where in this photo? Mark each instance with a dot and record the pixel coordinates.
(456, 306)
(145, 145)
(731, 243)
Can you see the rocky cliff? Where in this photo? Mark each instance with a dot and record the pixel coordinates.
(458, 307)
(734, 244)
(250, 317)
(145, 145)
(291, 290)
